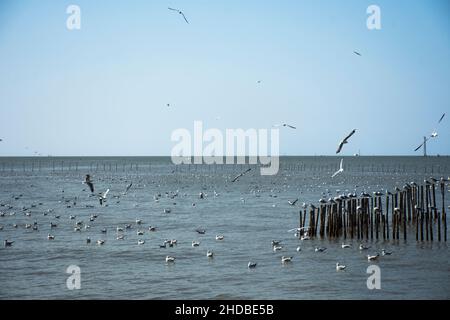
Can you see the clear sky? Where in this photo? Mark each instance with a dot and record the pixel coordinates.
(103, 89)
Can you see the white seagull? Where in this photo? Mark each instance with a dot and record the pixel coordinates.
(251, 265)
(286, 259)
(341, 169)
(339, 266)
(219, 237)
(209, 254)
(170, 259)
(180, 12)
(372, 258)
(344, 246)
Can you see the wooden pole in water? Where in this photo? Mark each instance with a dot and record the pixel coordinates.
(427, 192)
(386, 219)
(404, 215)
(421, 213)
(300, 232)
(444, 214)
(371, 217)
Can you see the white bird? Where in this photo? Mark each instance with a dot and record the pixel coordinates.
(317, 249)
(140, 233)
(180, 12)
(219, 237)
(341, 169)
(251, 265)
(286, 259)
(385, 253)
(339, 266)
(299, 249)
(50, 237)
(362, 247)
(344, 246)
(344, 141)
(170, 259)
(209, 254)
(102, 197)
(119, 229)
(373, 258)
(100, 242)
(138, 221)
(140, 241)
(277, 248)
(120, 237)
(195, 243)
(305, 237)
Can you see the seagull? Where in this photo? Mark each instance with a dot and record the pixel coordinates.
(362, 247)
(344, 246)
(180, 12)
(275, 243)
(320, 249)
(100, 242)
(339, 266)
(442, 117)
(341, 169)
(357, 53)
(426, 139)
(200, 231)
(102, 197)
(128, 188)
(140, 241)
(299, 249)
(385, 253)
(292, 203)
(219, 237)
(210, 254)
(8, 243)
(251, 265)
(140, 233)
(195, 243)
(120, 237)
(276, 248)
(286, 259)
(50, 237)
(88, 240)
(170, 259)
(240, 175)
(284, 125)
(344, 141)
(372, 258)
(88, 181)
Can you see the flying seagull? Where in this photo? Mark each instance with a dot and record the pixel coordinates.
(438, 121)
(180, 12)
(102, 197)
(88, 181)
(341, 169)
(357, 53)
(285, 125)
(426, 139)
(434, 134)
(292, 203)
(128, 188)
(344, 141)
(241, 174)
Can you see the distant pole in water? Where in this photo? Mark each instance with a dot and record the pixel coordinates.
(424, 146)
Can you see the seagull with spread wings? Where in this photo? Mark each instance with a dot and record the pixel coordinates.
(344, 141)
(180, 12)
(284, 125)
(88, 181)
(357, 53)
(240, 175)
(341, 169)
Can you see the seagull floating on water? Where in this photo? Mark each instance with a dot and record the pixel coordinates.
(286, 259)
(170, 259)
(321, 249)
(340, 266)
(385, 253)
(251, 265)
(219, 237)
(373, 258)
(210, 254)
(344, 246)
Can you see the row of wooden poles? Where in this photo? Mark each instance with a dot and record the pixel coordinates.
(365, 217)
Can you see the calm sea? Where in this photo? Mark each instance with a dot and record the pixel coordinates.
(249, 213)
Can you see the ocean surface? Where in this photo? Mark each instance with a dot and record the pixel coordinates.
(249, 213)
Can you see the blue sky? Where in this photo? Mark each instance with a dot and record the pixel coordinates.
(103, 90)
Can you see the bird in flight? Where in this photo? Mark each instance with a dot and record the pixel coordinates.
(128, 188)
(240, 175)
(180, 12)
(102, 197)
(426, 139)
(434, 134)
(442, 117)
(357, 53)
(292, 203)
(285, 125)
(344, 141)
(341, 169)
(88, 181)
